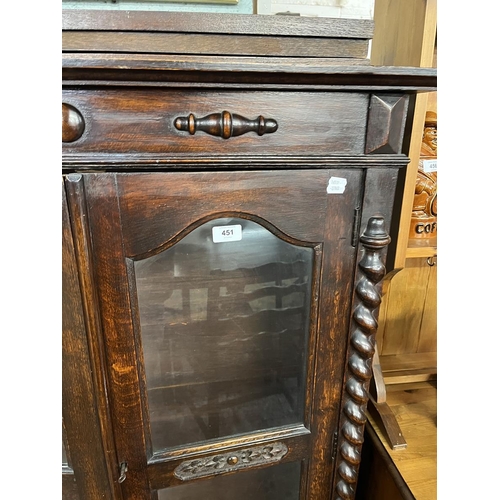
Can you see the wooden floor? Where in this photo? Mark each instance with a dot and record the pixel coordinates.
(415, 408)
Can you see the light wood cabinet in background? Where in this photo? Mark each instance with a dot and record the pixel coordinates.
(405, 35)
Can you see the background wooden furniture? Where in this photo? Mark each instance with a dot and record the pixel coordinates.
(388, 474)
(405, 34)
(159, 147)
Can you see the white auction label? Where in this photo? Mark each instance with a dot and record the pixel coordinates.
(430, 166)
(336, 185)
(221, 234)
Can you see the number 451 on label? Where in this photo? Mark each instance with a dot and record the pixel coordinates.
(221, 234)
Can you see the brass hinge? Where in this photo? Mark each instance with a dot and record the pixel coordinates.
(356, 225)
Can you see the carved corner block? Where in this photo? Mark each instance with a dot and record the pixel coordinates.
(386, 119)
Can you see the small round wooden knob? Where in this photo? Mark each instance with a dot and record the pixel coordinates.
(73, 123)
(232, 460)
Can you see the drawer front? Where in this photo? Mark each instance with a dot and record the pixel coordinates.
(209, 122)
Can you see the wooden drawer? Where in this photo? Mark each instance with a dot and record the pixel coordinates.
(134, 121)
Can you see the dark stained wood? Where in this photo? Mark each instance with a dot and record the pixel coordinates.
(141, 178)
(95, 20)
(159, 162)
(177, 43)
(379, 195)
(161, 473)
(385, 124)
(249, 70)
(354, 403)
(121, 363)
(360, 353)
(379, 478)
(137, 121)
(73, 123)
(378, 407)
(380, 198)
(338, 262)
(382, 413)
(80, 412)
(210, 194)
(69, 487)
(146, 227)
(384, 182)
(225, 124)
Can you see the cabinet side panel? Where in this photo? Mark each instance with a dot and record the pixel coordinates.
(380, 190)
(78, 404)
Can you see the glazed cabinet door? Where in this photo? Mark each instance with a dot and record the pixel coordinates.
(224, 304)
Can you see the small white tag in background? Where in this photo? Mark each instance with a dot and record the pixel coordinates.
(430, 166)
(221, 234)
(336, 185)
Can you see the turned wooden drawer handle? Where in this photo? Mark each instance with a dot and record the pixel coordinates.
(225, 124)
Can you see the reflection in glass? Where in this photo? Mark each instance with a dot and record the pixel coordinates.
(279, 482)
(224, 331)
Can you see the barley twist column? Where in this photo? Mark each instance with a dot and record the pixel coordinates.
(361, 350)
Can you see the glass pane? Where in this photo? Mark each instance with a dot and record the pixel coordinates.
(280, 482)
(64, 442)
(64, 456)
(224, 318)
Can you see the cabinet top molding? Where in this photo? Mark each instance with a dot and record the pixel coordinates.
(229, 24)
(236, 50)
(152, 69)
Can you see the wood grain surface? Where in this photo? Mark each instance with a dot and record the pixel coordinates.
(130, 78)
(80, 412)
(410, 307)
(215, 23)
(142, 121)
(415, 408)
(196, 43)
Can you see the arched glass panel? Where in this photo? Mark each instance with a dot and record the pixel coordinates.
(224, 316)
